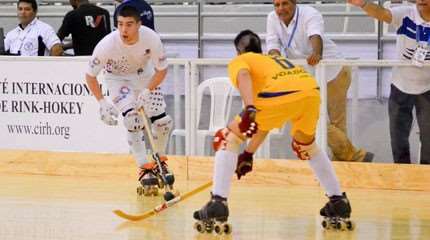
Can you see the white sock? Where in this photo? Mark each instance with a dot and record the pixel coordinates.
(137, 146)
(325, 173)
(224, 167)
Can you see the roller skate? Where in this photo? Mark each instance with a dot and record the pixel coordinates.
(166, 179)
(213, 217)
(148, 180)
(336, 213)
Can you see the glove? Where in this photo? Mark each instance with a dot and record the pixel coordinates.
(108, 113)
(143, 99)
(247, 125)
(244, 164)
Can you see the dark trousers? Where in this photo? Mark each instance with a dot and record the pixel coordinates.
(400, 113)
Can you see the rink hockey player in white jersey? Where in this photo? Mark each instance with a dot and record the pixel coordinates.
(134, 65)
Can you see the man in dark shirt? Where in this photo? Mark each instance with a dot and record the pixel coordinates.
(87, 23)
(145, 10)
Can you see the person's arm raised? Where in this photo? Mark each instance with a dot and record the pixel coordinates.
(373, 10)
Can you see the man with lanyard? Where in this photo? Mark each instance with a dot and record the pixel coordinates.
(145, 10)
(32, 37)
(297, 32)
(410, 85)
(87, 23)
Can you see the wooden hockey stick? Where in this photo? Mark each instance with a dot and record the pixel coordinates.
(148, 131)
(163, 206)
(156, 155)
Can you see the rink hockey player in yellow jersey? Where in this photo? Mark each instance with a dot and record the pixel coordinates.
(274, 91)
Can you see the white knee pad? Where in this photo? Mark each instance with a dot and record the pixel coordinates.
(133, 121)
(137, 147)
(161, 131)
(225, 139)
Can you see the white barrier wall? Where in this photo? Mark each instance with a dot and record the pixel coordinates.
(45, 105)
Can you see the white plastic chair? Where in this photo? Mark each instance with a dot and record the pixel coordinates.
(221, 96)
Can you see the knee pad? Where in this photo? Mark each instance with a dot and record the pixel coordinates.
(133, 121)
(162, 126)
(161, 131)
(225, 139)
(305, 151)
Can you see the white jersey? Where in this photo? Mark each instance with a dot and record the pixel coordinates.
(128, 62)
(293, 40)
(25, 42)
(407, 20)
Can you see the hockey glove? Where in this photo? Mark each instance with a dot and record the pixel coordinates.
(143, 99)
(247, 125)
(108, 113)
(244, 164)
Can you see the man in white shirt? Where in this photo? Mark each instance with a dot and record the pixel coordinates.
(410, 85)
(297, 33)
(32, 37)
(135, 65)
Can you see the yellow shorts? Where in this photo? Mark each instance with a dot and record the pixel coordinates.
(303, 114)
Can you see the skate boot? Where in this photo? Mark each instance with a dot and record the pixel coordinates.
(148, 180)
(336, 213)
(168, 180)
(213, 216)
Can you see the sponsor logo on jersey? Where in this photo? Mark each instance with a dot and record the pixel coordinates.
(124, 90)
(90, 22)
(109, 66)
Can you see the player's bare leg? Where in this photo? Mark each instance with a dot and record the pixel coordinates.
(256, 141)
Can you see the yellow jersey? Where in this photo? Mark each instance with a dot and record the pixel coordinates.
(275, 80)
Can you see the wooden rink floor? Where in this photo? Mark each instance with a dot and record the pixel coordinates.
(71, 196)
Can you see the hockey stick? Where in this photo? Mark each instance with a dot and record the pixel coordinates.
(155, 155)
(162, 206)
(148, 131)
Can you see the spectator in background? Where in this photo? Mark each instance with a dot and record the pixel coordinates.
(32, 37)
(297, 32)
(410, 85)
(87, 23)
(145, 10)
